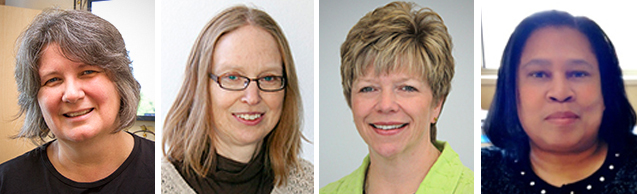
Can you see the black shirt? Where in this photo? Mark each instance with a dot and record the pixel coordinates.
(230, 176)
(32, 172)
(502, 172)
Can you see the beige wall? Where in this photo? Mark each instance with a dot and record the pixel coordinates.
(13, 20)
(40, 4)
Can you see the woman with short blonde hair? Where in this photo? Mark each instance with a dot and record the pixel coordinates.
(396, 70)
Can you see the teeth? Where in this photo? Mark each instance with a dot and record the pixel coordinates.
(249, 117)
(388, 127)
(75, 114)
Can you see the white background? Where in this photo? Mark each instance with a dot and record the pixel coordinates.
(500, 17)
(182, 21)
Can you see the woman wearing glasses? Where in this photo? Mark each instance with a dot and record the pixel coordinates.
(235, 126)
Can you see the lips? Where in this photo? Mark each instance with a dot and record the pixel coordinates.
(565, 117)
(388, 126)
(249, 118)
(562, 115)
(78, 113)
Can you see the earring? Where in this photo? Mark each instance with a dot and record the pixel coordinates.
(435, 119)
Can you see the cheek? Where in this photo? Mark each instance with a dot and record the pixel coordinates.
(275, 101)
(592, 95)
(361, 107)
(46, 106)
(105, 91)
(528, 97)
(219, 102)
(49, 99)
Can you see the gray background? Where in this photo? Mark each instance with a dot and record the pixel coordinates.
(341, 148)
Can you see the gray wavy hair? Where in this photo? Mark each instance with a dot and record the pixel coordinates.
(82, 37)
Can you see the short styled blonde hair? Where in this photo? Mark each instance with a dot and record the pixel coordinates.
(399, 37)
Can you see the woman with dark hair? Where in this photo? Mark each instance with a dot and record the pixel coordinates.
(77, 92)
(560, 89)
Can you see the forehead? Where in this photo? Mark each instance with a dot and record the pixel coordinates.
(557, 44)
(380, 64)
(52, 58)
(373, 74)
(248, 48)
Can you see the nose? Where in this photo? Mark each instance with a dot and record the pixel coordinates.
(387, 102)
(252, 94)
(73, 91)
(561, 91)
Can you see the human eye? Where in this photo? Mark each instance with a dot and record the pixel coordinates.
(408, 88)
(231, 78)
(538, 74)
(87, 72)
(578, 74)
(51, 81)
(270, 78)
(366, 89)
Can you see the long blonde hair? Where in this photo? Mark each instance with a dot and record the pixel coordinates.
(188, 130)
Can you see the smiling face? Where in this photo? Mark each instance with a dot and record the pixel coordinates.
(244, 118)
(560, 102)
(393, 112)
(78, 101)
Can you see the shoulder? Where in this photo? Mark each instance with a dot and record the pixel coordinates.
(448, 174)
(145, 155)
(626, 179)
(497, 171)
(492, 156)
(352, 183)
(28, 167)
(300, 179)
(449, 162)
(171, 180)
(147, 146)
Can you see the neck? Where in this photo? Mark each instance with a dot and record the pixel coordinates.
(92, 160)
(400, 174)
(559, 168)
(241, 154)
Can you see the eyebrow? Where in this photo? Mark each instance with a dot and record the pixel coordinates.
(242, 70)
(375, 79)
(546, 63)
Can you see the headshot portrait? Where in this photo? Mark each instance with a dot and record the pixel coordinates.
(77, 99)
(239, 117)
(396, 76)
(561, 120)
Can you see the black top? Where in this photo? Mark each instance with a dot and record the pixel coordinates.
(233, 177)
(502, 172)
(34, 173)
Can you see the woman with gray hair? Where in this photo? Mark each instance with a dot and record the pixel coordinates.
(77, 88)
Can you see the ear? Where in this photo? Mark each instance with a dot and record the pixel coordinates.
(435, 111)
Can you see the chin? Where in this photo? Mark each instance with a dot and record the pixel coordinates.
(386, 151)
(79, 134)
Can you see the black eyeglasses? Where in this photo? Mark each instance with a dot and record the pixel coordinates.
(238, 83)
